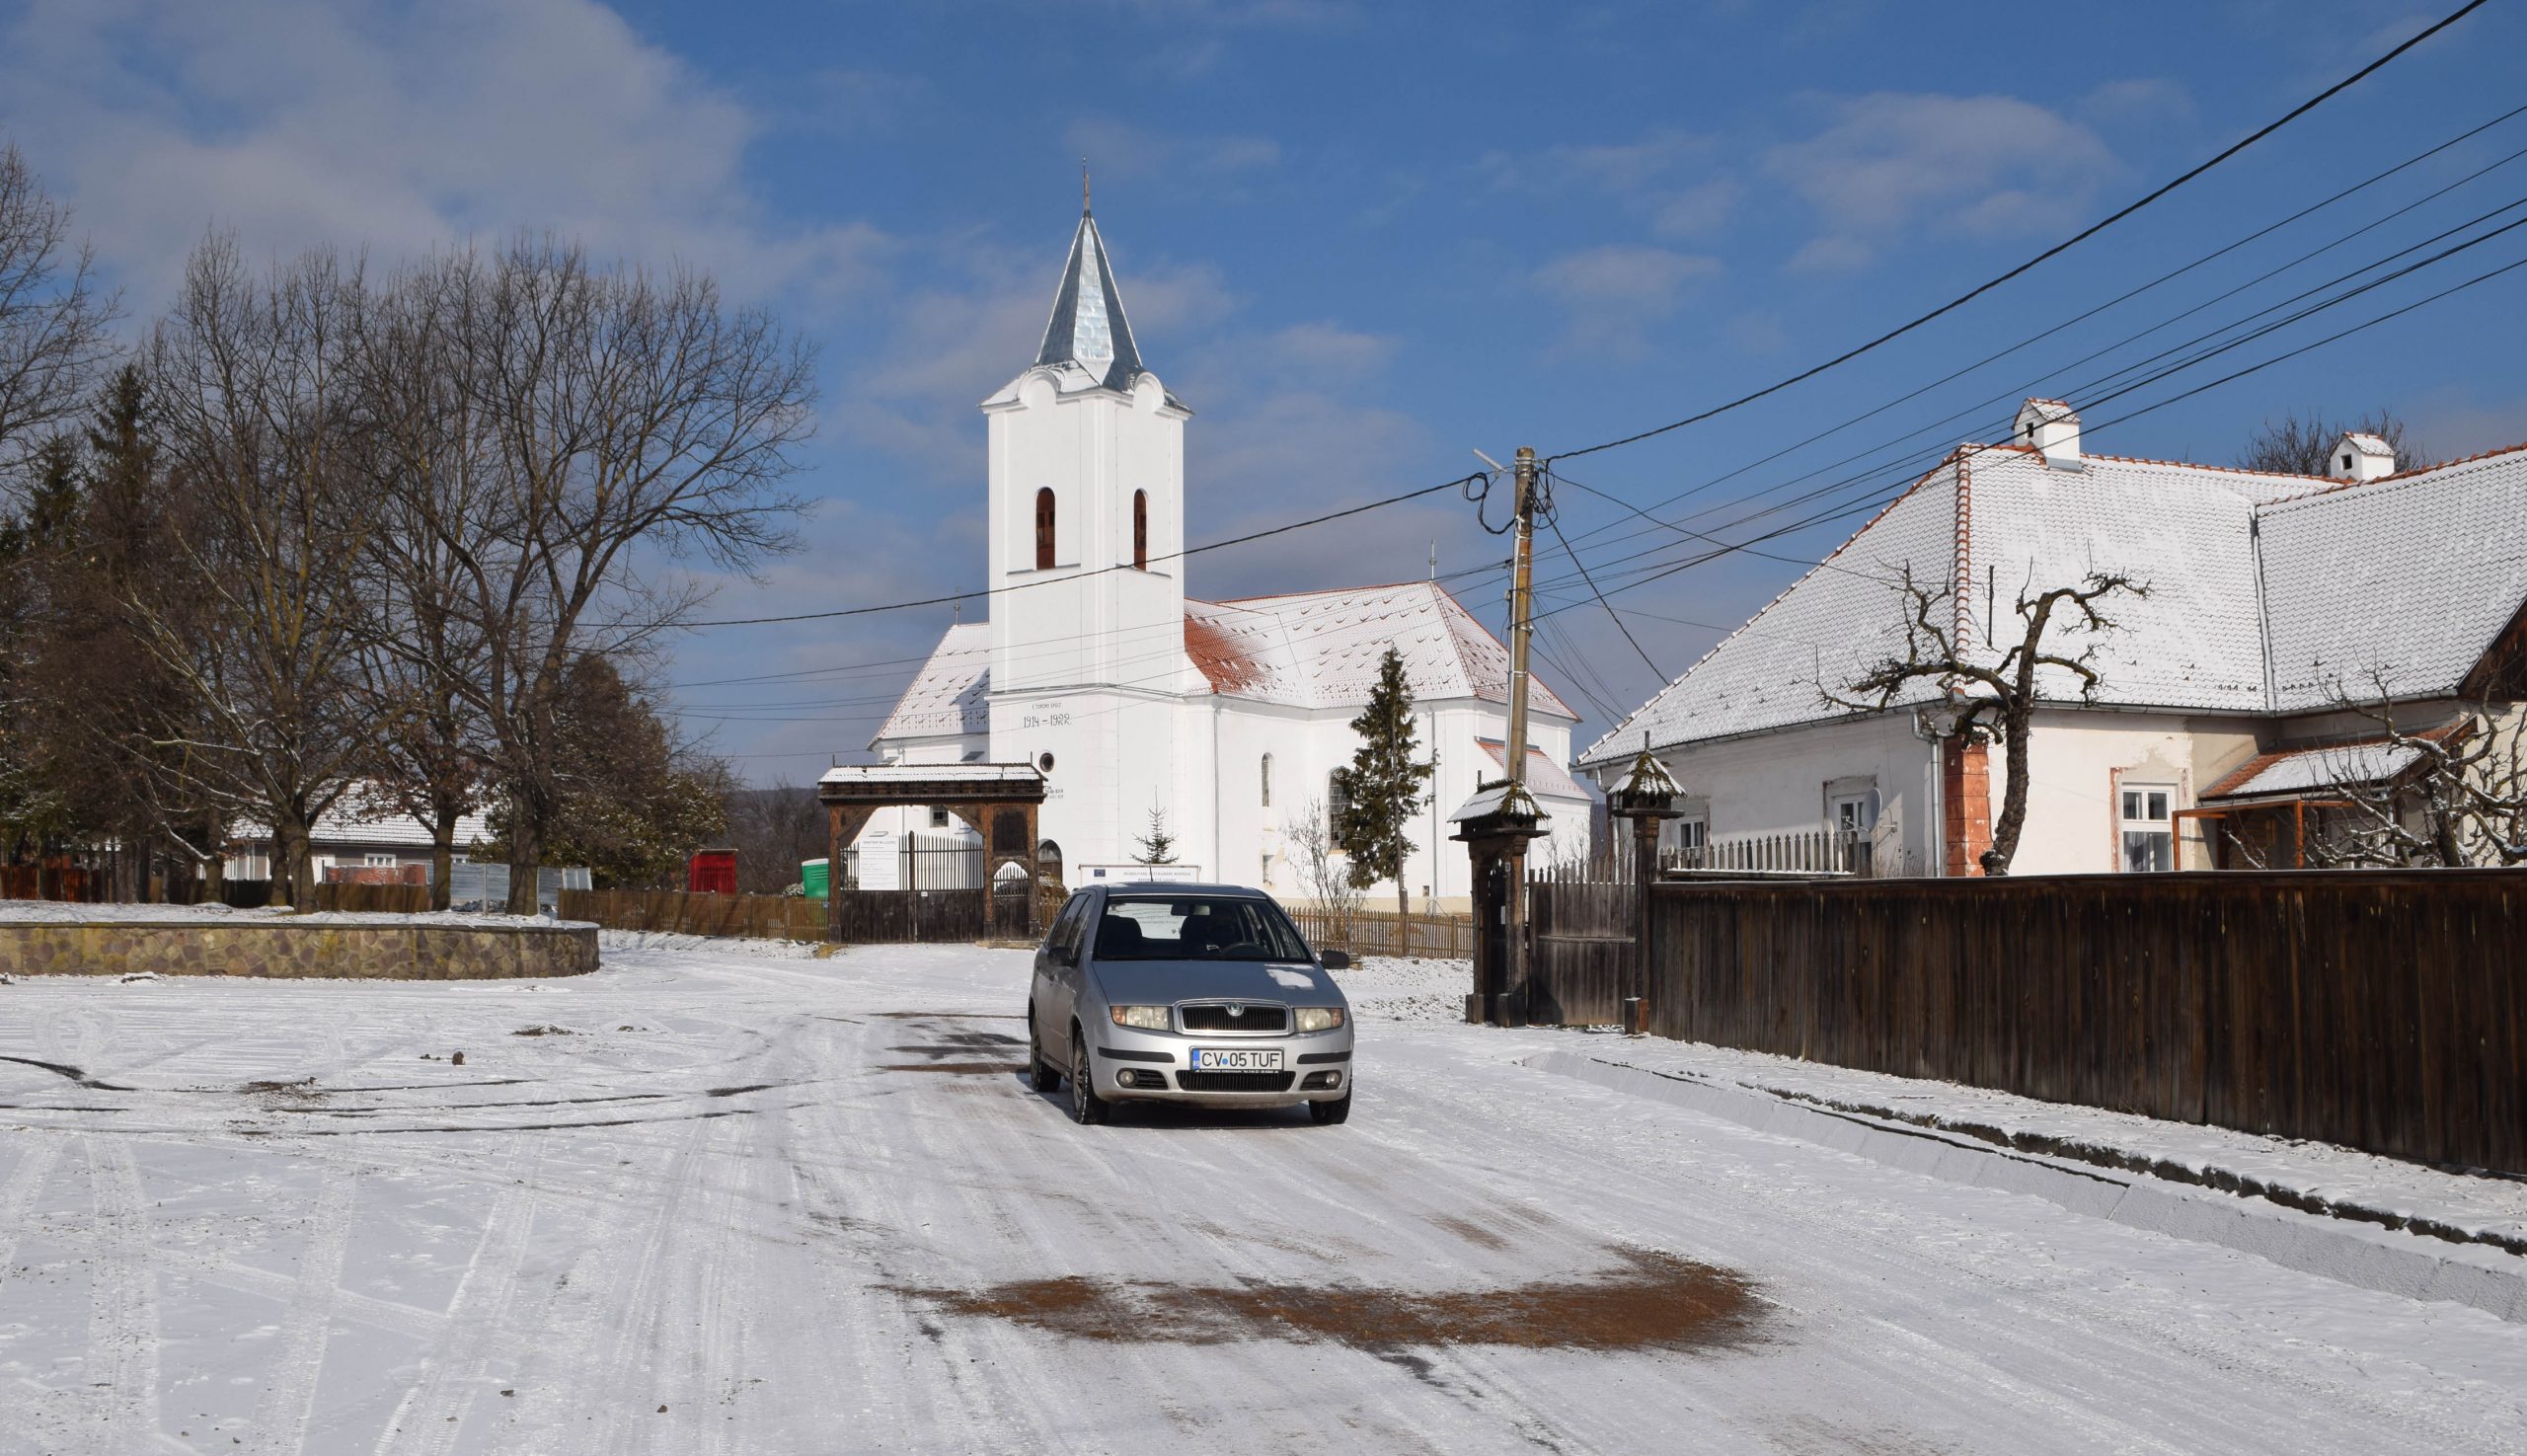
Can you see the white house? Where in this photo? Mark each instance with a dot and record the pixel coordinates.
(2272, 600)
(1132, 696)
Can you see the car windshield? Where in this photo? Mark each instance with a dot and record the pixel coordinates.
(1162, 927)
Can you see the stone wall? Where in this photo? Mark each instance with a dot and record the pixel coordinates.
(408, 953)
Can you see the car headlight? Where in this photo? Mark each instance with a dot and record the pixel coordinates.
(1320, 1017)
(1142, 1018)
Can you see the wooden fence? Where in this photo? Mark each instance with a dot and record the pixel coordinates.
(1383, 933)
(369, 898)
(1581, 921)
(51, 882)
(2386, 1010)
(759, 917)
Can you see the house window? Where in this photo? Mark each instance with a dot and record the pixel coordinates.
(2149, 830)
(1267, 780)
(939, 818)
(1693, 835)
(1852, 814)
(1044, 529)
(1337, 804)
(379, 861)
(1140, 530)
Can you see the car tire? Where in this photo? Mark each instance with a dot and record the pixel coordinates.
(1328, 1113)
(1042, 1075)
(1087, 1108)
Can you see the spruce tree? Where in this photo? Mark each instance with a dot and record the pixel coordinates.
(1158, 847)
(1383, 786)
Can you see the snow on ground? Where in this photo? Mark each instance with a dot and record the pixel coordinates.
(71, 912)
(721, 1199)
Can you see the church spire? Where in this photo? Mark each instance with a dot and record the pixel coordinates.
(1088, 326)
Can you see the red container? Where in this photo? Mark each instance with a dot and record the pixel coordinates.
(711, 871)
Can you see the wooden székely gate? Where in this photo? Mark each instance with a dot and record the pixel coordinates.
(999, 799)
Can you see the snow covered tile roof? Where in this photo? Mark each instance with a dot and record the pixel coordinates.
(364, 817)
(950, 693)
(2263, 589)
(2297, 770)
(2411, 575)
(1322, 648)
(1545, 777)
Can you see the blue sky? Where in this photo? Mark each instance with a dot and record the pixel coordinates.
(1359, 240)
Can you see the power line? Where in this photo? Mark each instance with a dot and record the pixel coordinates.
(2124, 297)
(2091, 230)
(1601, 599)
(992, 591)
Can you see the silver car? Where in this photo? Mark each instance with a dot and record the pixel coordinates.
(1187, 993)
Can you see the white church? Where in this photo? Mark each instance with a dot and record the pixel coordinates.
(1227, 716)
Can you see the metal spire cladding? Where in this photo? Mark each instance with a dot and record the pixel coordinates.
(1088, 326)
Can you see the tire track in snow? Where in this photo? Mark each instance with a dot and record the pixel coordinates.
(432, 1411)
(284, 1410)
(122, 1307)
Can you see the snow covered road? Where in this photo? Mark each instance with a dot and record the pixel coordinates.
(736, 1201)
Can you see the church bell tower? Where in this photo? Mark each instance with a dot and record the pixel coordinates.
(1086, 471)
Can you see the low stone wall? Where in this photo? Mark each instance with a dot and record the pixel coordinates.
(280, 948)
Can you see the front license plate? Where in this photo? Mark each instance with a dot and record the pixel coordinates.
(1238, 1059)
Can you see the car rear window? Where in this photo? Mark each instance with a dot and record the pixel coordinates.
(1196, 928)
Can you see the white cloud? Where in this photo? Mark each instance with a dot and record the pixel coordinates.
(396, 128)
(1612, 293)
(1959, 164)
(1699, 211)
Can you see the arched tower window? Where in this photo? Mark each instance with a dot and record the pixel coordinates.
(1337, 802)
(1267, 781)
(1044, 529)
(1140, 531)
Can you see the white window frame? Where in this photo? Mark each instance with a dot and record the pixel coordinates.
(374, 861)
(1692, 832)
(2144, 812)
(1852, 814)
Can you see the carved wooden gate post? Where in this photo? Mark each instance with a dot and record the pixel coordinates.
(1496, 825)
(1646, 795)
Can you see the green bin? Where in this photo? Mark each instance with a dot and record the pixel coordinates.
(817, 878)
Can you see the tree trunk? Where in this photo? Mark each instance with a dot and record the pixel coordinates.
(1402, 915)
(443, 854)
(293, 869)
(214, 869)
(2015, 731)
(528, 812)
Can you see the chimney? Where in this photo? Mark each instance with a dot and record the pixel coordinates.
(2360, 456)
(2052, 427)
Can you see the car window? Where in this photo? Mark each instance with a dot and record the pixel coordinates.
(1066, 931)
(1158, 927)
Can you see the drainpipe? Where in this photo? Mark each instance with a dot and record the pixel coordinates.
(1939, 778)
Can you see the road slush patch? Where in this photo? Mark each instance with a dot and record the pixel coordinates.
(1648, 1301)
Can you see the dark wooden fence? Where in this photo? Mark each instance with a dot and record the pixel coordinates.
(51, 882)
(1375, 932)
(760, 917)
(873, 917)
(2386, 1010)
(366, 899)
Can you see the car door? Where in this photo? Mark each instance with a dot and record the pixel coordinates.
(1068, 964)
(1046, 1001)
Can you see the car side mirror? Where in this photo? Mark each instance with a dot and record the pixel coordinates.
(1066, 955)
(1335, 961)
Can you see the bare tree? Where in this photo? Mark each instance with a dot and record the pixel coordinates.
(774, 830)
(264, 627)
(2291, 445)
(2452, 793)
(53, 323)
(427, 448)
(632, 416)
(1987, 695)
(1324, 873)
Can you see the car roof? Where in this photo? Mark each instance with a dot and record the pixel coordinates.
(1180, 887)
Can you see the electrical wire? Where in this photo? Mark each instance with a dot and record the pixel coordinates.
(2082, 236)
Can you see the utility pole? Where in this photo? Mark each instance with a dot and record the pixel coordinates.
(1521, 612)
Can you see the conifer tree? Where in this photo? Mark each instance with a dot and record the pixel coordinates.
(1383, 787)
(1158, 847)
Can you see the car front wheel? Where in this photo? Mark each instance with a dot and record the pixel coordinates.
(1327, 1113)
(1087, 1108)
(1040, 1074)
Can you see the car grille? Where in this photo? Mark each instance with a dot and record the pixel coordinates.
(1263, 1020)
(1233, 1081)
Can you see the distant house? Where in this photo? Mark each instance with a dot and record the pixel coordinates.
(2219, 735)
(359, 838)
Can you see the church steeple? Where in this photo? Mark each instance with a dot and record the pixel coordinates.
(1088, 326)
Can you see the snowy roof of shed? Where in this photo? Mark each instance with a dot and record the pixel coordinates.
(2297, 770)
(1546, 778)
(2265, 590)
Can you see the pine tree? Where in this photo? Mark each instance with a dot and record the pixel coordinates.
(1383, 786)
(1158, 847)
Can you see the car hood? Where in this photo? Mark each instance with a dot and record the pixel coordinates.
(1154, 982)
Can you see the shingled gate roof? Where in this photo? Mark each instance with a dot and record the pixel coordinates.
(2265, 590)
